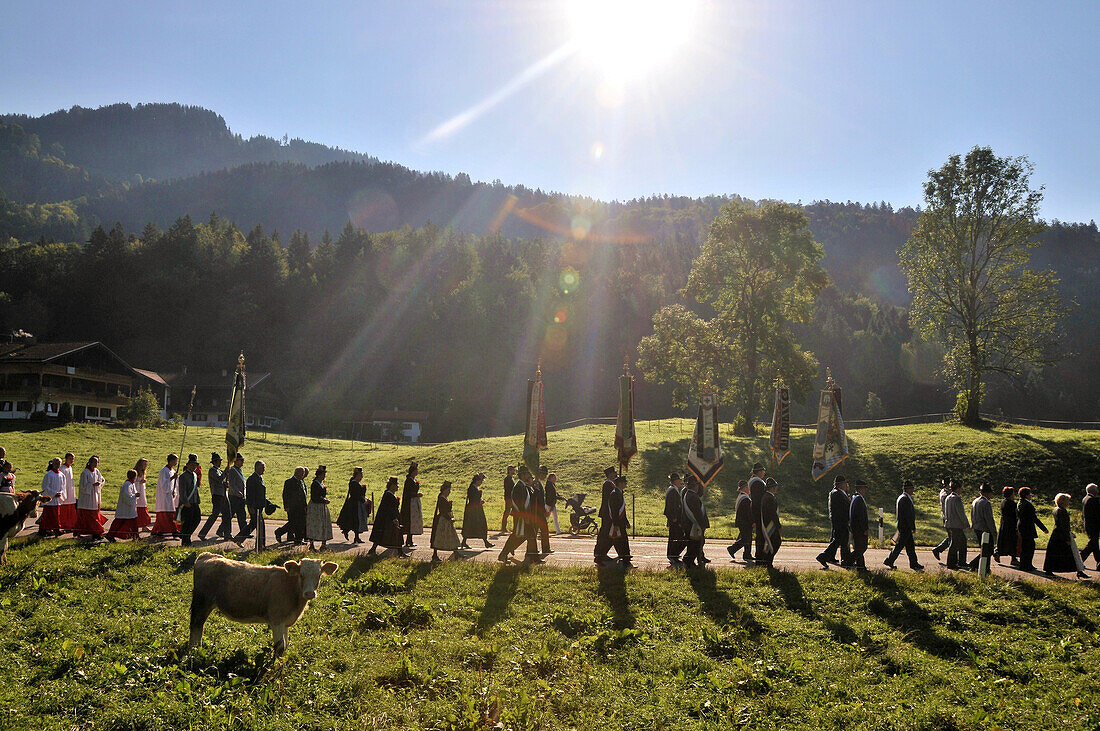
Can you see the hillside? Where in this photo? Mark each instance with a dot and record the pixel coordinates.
(1047, 460)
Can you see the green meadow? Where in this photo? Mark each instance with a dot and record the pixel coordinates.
(1047, 460)
(94, 639)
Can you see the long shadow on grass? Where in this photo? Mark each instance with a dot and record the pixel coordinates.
(790, 588)
(612, 587)
(362, 563)
(717, 604)
(422, 569)
(898, 610)
(1072, 615)
(498, 597)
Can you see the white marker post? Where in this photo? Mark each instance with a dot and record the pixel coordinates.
(881, 529)
(987, 551)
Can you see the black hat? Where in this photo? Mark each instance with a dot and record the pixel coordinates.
(838, 479)
(673, 476)
(215, 457)
(270, 508)
(756, 466)
(907, 484)
(610, 472)
(192, 459)
(770, 482)
(621, 479)
(985, 487)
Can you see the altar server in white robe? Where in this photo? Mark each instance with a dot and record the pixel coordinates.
(125, 523)
(89, 521)
(67, 512)
(166, 500)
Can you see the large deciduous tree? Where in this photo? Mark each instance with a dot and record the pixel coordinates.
(758, 272)
(967, 264)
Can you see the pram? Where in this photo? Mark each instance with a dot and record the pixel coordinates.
(580, 515)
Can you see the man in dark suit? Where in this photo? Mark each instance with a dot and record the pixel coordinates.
(294, 502)
(509, 484)
(674, 517)
(907, 526)
(613, 524)
(859, 525)
(538, 509)
(256, 499)
(219, 501)
(523, 528)
(769, 525)
(742, 518)
(981, 520)
(1090, 512)
(839, 507)
(696, 523)
(235, 486)
(757, 488)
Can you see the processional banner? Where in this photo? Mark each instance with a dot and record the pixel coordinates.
(235, 429)
(626, 439)
(705, 452)
(781, 425)
(830, 442)
(534, 437)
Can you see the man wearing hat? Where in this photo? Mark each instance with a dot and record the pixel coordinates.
(189, 510)
(613, 523)
(907, 525)
(1090, 514)
(255, 495)
(696, 523)
(839, 507)
(859, 525)
(219, 501)
(523, 528)
(674, 517)
(235, 487)
(957, 525)
(742, 518)
(296, 505)
(770, 528)
(981, 520)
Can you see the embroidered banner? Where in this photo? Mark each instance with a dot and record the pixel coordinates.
(781, 425)
(534, 438)
(626, 439)
(705, 452)
(830, 442)
(235, 428)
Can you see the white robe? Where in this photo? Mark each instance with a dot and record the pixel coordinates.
(91, 482)
(166, 490)
(68, 487)
(127, 501)
(141, 500)
(52, 485)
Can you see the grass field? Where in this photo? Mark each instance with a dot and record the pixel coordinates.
(94, 635)
(1049, 460)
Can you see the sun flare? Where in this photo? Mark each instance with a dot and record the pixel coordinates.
(625, 39)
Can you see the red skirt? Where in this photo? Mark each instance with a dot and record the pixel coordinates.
(124, 528)
(67, 516)
(49, 521)
(89, 522)
(166, 524)
(143, 518)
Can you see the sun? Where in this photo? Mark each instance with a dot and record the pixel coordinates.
(627, 39)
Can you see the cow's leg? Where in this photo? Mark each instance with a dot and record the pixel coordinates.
(201, 606)
(4, 550)
(280, 636)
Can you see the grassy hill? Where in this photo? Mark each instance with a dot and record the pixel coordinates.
(95, 634)
(1048, 460)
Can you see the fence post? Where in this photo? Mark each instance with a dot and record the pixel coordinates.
(633, 516)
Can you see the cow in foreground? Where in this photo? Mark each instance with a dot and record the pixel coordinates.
(14, 511)
(244, 592)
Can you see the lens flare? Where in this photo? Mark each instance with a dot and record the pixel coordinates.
(569, 280)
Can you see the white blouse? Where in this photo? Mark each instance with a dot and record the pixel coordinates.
(52, 485)
(68, 488)
(91, 482)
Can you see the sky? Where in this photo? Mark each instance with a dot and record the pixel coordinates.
(798, 101)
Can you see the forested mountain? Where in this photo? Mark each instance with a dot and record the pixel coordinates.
(367, 284)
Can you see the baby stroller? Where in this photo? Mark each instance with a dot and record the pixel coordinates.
(580, 515)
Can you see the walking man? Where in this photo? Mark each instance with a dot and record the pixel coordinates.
(674, 518)
(695, 524)
(757, 488)
(219, 501)
(907, 526)
(294, 503)
(981, 519)
(858, 523)
(538, 509)
(509, 485)
(945, 490)
(1026, 522)
(256, 499)
(235, 486)
(523, 529)
(770, 525)
(552, 500)
(189, 503)
(742, 518)
(613, 523)
(957, 525)
(839, 507)
(1090, 512)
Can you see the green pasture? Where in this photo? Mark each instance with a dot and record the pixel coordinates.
(1047, 460)
(94, 639)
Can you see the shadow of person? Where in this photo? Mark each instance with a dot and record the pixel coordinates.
(498, 596)
(612, 587)
(419, 571)
(717, 604)
(790, 588)
(897, 609)
(360, 565)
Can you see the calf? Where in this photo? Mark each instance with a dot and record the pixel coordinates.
(14, 511)
(244, 592)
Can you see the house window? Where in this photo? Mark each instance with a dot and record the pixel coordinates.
(92, 411)
(105, 413)
(6, 406)
(23, 406)
(51, 408)
(198, 417)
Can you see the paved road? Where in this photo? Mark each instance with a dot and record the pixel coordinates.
(648, 553)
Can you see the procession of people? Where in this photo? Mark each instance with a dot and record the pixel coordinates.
(75, 507)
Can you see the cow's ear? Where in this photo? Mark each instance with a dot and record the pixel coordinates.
(329, 568)
(292, 566)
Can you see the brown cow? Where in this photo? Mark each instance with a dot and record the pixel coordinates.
(14, 511)
(244, 592)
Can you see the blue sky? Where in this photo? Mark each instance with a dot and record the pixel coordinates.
(790, 100)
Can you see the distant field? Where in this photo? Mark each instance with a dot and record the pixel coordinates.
(1048, 460)
(94, 634)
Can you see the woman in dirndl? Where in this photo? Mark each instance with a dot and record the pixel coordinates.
(444, 537)
(125, 523)
(355, 514)
(387, 521)
(474, 524)
(318, 518)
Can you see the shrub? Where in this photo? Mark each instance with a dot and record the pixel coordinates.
(141, 410)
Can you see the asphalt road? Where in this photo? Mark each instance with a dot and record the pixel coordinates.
(648, 553)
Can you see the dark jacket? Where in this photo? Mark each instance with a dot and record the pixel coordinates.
(551, 494)
(907, 513)
(839, 508)
(674, 506)
(255, 494)
(294, 496)
(408, 493)
(857, 515)
(743, 516)
(188, 488)
(1090, 512)
(318, 492)
(769, 516)
(1027, 520)
(509, 485)
(757, 488)
(538, 499)
(694, 512)
(612, 511)
(1059, 556)
(387, 529)
(234, 481)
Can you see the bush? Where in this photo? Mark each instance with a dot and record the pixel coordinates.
(65, 412)
(142, 410)
(873, 408)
